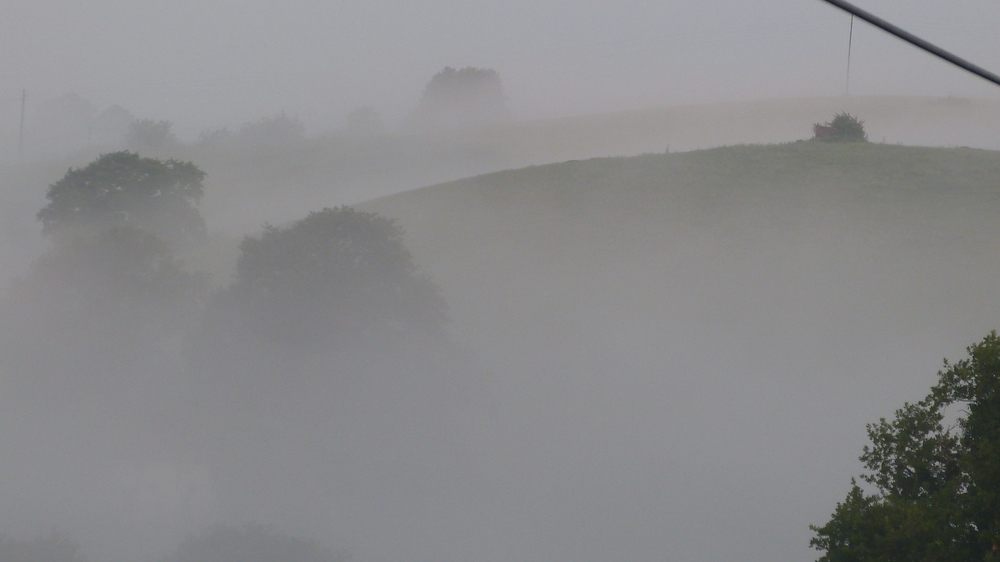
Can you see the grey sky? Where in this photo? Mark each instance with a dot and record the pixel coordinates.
(218, 63)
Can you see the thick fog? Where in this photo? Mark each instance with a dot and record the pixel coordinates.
(206, 65)
(596, 295)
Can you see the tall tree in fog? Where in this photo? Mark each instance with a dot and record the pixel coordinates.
(91, 357)
(124, 189)
(936, 482)
(336, 276)
(467, 97)
(327, 352)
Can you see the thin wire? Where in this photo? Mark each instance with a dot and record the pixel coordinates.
(850, 43)
(916, 41)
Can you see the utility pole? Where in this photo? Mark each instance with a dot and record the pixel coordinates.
(20, 135)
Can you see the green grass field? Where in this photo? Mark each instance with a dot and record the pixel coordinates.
(728, 318)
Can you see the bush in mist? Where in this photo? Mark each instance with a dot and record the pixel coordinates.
(937, 483)
(843, 128)
(336, 276)
(122, 188)
(150, 135)
(461, 98)
(252, 543)
(47, 548)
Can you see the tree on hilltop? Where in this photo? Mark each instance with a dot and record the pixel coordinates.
(462, 98)
(843, 128)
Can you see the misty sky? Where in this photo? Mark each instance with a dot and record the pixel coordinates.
(212, 63)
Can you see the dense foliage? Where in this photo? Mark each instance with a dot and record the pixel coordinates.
(122, 188)
(336, 275)
(843, 128)
(462, 98)
(936, 485)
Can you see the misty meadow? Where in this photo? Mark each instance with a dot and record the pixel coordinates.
(673, 282)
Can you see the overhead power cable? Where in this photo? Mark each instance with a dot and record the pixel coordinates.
(916, 41)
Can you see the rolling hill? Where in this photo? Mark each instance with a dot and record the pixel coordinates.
(695, 341)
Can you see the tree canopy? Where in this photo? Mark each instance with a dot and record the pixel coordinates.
(936, 485)
(336, 274)
(124, 189)
(462, 98)
(843, 128)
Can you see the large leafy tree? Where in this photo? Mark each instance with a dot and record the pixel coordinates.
(936, 485)
(327, 323)
(124, 189)
(334, 277)
(466, 97)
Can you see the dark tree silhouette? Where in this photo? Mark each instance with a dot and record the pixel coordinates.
(122, 188)
(462, 98)
(333, 277)
(843, 128)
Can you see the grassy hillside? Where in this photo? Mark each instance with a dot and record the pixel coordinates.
(713, 328)
(280, 180)
(583, 214)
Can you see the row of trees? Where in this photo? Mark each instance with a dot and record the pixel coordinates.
(337, 271)
(115, 352)
(453, 98)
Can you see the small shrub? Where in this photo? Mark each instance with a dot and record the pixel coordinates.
(843, 128)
